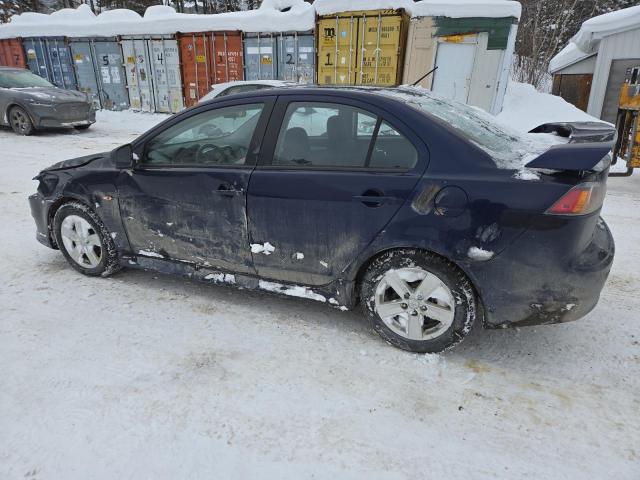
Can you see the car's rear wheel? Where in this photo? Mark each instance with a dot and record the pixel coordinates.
(84, 240)
(82, 127)
(20, 121)
(418, 301)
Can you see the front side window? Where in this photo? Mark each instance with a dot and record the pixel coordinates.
(315, 134)
(214, 138)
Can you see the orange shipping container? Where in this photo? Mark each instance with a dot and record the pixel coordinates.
(12, 53)
(209, 58)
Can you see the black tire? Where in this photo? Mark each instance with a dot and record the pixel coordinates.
(20, 121)
(82, 127)
(465, 300)
(108, 264)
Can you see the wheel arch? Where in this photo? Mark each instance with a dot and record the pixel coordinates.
(14, 104)
(362, 268)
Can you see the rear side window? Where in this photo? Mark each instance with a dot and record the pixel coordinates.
(328, 135)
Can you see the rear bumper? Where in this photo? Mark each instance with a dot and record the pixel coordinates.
(531, 284)
(40, 213)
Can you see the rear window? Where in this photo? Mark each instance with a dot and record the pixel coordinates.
(508, 148)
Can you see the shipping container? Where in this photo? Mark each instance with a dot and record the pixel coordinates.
(12, 53)
(471, 58)
(99, 71)
(152, 67)
(208, 58)
(259, 56)
(50, 58)
(280, 56)
(296, 55)
(361, 47)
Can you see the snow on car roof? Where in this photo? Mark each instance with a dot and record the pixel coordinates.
(427, 8)
(585, 43)
(272, 16)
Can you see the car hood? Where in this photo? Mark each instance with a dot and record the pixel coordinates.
(77, 162)
(53, 94)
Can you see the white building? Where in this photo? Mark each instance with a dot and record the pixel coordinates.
(590, 71)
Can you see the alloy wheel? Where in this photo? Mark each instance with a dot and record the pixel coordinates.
(19, 121)
(414, 303)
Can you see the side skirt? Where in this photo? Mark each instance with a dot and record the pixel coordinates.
(338, 294)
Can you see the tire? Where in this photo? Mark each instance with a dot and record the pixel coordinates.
(84, 229)
(415, 321)
(82, 127)
(20, 121)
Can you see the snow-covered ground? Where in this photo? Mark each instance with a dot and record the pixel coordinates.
(149, 376)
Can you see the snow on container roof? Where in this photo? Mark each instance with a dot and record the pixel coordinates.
(118, 15)
(427, 8)
(272, 16)
(585, 43)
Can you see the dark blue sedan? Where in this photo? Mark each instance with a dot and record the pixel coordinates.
(423, 211)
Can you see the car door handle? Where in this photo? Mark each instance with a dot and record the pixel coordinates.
(228, 190)
(373, 198)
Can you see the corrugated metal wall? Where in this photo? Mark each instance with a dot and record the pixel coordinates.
(12, 53)
(99, 71)
(621, 46)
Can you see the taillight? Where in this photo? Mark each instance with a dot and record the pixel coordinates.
(583, 199)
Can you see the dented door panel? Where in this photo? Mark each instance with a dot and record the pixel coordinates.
(188, 215)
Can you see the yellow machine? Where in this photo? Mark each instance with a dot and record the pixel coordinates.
(628, 144)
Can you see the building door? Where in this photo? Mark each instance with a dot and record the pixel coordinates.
(617, 75)
(455, 61)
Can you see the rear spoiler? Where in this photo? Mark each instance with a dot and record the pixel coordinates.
(580, 132)
(575, 157)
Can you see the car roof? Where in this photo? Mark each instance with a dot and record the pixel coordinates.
(12, 69)
(363, 93)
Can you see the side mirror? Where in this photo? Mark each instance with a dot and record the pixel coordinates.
(123, 156)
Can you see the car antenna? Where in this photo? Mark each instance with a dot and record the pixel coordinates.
(424, 76)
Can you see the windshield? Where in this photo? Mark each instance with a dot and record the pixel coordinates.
(21, 79)
(508, 148)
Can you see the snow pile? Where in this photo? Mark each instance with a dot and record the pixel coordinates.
(480, 255)
(525, 108)
(265, 248)
(427, 8)
(272, 16)
(585, 42)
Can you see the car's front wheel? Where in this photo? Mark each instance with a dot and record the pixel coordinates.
(84, 240)
(418, 301)
(82, 127)
(20, 121)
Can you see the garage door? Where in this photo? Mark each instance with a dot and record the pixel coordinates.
(617, 75)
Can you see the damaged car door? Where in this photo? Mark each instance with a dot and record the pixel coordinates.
(185, 198)
(332, 175)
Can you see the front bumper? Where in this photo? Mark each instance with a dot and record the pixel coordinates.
(537, 281)
(40, 213)
(55, 116)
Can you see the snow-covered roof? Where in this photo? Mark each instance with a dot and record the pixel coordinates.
(272, 16)
(427, 8)
(585, 43)
(568, 56)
